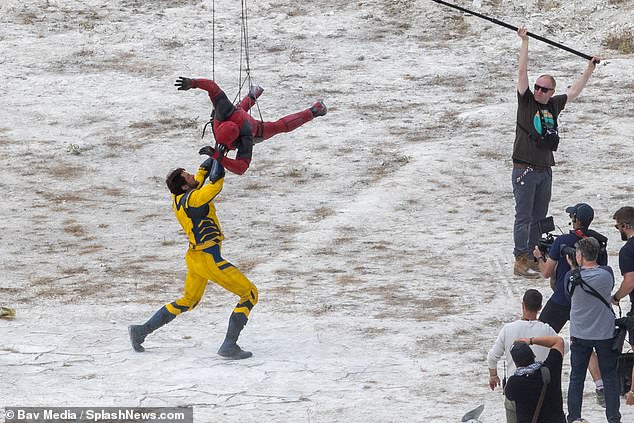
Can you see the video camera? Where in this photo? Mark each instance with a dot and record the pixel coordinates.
(546, 226)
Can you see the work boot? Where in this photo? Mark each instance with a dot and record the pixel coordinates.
(229, 348)
(139, 332)
(319, 108)
(533, 264)
(522, 268)
(255, 91)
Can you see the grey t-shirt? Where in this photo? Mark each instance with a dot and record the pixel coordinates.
(590, 318)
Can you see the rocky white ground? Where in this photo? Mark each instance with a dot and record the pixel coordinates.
(379, 235)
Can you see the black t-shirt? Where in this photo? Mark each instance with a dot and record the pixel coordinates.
(626, 263)
(525, 391)
(526, 150)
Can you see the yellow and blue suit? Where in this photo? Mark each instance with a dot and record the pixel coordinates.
(196, 213)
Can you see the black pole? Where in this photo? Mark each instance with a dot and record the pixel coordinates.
(514, 28)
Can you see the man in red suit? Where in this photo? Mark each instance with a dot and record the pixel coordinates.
(235, 129)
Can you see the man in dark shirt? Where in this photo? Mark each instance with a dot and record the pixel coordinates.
(532, 159)
(525, 386)
(624, 218)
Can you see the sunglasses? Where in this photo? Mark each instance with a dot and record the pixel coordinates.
(543, 89)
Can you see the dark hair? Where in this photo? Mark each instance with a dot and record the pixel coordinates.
(522, 354)
(175, 181)
(589, 248)
(624, 215)
(532, 300)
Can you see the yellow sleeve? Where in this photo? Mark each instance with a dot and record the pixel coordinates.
(200, 176)
(205, 194)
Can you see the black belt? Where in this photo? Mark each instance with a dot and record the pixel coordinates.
(526, 166)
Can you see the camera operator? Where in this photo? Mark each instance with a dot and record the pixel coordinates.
(556, 312)
(624, 218)
(592, 323)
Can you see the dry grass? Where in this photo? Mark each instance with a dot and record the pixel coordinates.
(321, 213)
(59, 197)
(116, 144)
(373, 332)
(622, 42)
(492, 154)
(548, 5)
(65, 171)
(111, 191)
(296, 11)
(457, 25)
(74, 270)
(72, 227)
(275, 49)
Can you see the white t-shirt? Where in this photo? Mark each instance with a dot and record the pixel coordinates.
(515, 330)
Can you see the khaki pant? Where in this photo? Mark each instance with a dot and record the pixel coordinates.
(511, 415)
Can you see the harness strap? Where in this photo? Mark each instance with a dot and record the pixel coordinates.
(546, 380)
(576, 279)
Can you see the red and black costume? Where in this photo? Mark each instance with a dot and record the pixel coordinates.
(237, 130)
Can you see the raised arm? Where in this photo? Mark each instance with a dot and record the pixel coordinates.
(206, 194)
(576, 88)
(522, 67)
(239, 165)
(554, 342)
(223, 106)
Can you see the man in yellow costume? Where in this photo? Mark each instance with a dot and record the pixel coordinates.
(193, 205)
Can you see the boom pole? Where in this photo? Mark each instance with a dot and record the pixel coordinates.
(514, 28)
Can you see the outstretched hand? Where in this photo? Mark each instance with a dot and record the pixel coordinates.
(522, 32)
(184, 84)
(208, 151)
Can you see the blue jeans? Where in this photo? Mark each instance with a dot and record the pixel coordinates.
(580, 350)
(532, 191)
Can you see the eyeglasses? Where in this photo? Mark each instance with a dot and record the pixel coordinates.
(543, 89)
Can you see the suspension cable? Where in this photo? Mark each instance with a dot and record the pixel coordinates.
(213, 40)
(244, 32)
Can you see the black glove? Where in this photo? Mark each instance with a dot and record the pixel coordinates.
(184, 84)
(208, 151)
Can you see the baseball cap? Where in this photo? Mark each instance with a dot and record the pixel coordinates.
(522, 354)
(583, 212)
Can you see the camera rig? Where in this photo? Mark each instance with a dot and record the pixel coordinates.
(546, 226)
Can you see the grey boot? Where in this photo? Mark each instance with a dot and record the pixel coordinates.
(229, 348)
(139, 332)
